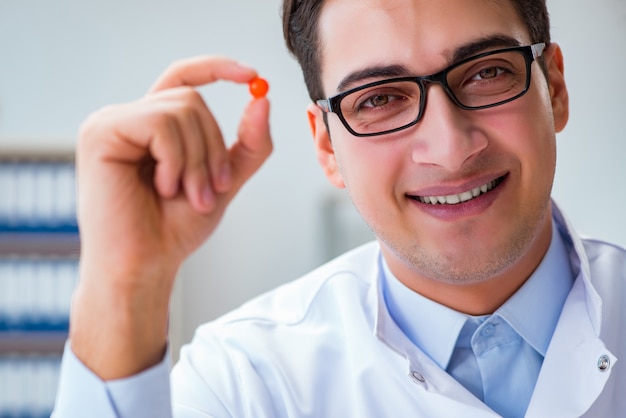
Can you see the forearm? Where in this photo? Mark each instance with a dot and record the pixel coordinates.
(119, 326)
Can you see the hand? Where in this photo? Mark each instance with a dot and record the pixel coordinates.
(154, 179)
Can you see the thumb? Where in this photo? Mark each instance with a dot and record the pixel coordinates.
(254, 143)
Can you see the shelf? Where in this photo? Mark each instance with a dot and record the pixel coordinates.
(40, 342)
(57, 154)
(39, 251)
(63, 243)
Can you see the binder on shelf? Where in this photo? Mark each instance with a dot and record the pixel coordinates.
(38, 196)
(28, 385)
(35, 293)
(39, 249)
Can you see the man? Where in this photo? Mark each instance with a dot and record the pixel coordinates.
(478, 299)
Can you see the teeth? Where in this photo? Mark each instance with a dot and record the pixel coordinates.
(465, 196)
(454, 199)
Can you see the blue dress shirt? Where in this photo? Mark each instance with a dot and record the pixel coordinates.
(496, 357)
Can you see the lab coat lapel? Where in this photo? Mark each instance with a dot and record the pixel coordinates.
(571, 379)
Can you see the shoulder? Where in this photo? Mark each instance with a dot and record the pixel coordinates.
(607, 267)
(605, 256)
(267, 342)
(348, 277)
(607, 272)
(600, 254)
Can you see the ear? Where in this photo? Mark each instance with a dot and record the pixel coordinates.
(323, 146)
(556, 83)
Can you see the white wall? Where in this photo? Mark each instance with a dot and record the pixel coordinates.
(61, 60)
(592, 149)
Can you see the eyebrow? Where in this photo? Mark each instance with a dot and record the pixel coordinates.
(483, 44)
(377, 72)
(464, 51)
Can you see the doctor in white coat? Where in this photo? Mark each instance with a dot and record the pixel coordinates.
(478, 298)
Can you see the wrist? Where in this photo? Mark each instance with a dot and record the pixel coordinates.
(118, 325)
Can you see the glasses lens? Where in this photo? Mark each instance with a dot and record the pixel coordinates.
(489, 80)
(382, 107)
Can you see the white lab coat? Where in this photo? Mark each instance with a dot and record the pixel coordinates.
(325, 346)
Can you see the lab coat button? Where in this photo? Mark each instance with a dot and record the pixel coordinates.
(417, 377)
(603, 363)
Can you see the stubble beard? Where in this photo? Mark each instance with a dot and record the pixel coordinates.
(476, 263)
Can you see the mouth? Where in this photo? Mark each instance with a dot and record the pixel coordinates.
(466, 196)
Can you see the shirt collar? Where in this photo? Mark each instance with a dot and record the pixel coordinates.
(432, 327)
(435, 328)
(545, 292)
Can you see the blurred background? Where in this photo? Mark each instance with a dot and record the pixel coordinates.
(62, 60)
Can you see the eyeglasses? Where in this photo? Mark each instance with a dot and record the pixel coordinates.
(482, 81)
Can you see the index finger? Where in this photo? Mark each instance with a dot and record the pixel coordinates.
(202, 70)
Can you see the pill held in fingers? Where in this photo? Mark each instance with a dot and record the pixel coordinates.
(258, 87)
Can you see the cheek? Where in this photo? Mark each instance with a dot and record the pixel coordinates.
(524, 131)
(371, 169)
(355, 164)
(524, 128)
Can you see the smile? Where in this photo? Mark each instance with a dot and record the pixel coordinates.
(455, 199)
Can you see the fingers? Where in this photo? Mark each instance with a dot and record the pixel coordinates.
(168, 155)
(227, 169)
(253, 145)
(202, 70)
(215, 154)
(174, 135)
(210, 170)
(195, 72)
(196, 176)
(192, 153)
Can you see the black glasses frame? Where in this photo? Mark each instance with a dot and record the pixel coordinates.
(530, 53)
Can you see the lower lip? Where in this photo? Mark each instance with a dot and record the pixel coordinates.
(466, 209)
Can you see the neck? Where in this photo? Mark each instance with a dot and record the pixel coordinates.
(478, 298)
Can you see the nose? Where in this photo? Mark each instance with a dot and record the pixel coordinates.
(447, 135)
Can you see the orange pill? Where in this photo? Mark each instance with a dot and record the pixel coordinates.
(258, 87)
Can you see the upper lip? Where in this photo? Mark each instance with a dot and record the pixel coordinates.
(447, 190)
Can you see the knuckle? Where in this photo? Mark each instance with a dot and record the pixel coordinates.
(191, 96)
(185, 101)
(176, 66)
(166, 124)
(94, 127)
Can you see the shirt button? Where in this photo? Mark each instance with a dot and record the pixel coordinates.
(603, 363)
(417, 377)
(488, 330)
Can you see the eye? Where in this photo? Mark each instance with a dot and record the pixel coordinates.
(378, 100)
(381, 100)
(488, 73)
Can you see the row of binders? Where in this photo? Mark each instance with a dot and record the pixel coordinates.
(37, 194)
(28, 385)
(37, 278)
(35, 293)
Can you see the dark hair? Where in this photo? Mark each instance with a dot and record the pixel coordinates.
(300, 24)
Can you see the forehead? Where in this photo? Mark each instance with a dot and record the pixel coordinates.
(421, 35)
